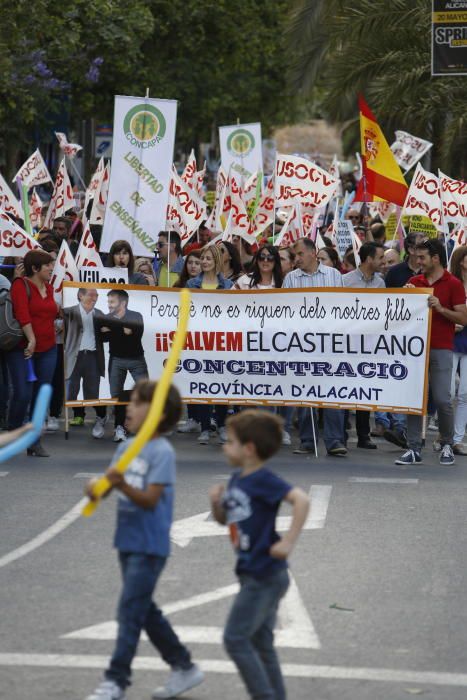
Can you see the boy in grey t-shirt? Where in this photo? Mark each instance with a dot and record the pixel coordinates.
(144, 517)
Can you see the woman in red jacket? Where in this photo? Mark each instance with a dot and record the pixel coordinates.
(35, 308)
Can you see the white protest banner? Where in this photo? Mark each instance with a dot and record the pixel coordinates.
(292, 229)
(62, 196)
(408, 149)
(423, 197)
(186, 210)
(265, 211)
(8, 201)
(14, 241)
(103, 275)
(99, 201)
(65, 270)
(69, 149)
(142, 154)
(241, 149)
(87, 254)
(34, 171)
(454, 198)
(300, 180)
(344, 238)
(35, 210)
(330, 347)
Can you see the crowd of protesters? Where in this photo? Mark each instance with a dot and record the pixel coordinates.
(223, 265)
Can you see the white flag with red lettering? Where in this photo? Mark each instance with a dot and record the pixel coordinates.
(33, 171)
(14, 241)
(423, 197)
(87, 254)
(35, 209)
(8, 201)
(62, 196)
(240, 222)
(292, 228)
(99, 202)
(211, 223)
(65, 270)
(93, 185)
(265, 211)
(300, 180)
(69, 149)
(454, 198)
(186, 210)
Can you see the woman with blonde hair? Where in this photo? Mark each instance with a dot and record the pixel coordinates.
(211, 276)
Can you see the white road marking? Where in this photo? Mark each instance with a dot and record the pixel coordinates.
(186, 529)
(4, 473)
(294, 627)
(43, 537)
(88, 475)
(380, 480)
(152, 663)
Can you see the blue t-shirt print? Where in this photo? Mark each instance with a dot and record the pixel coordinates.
(251, 504)
(147, 531)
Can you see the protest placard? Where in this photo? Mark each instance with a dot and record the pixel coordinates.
(241, 149)
(322, 347)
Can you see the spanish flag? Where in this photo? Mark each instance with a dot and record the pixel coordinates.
(382, 179)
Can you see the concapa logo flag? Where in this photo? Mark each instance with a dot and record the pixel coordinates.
(382, 178)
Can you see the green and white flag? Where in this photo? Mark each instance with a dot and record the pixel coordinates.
(142, 154)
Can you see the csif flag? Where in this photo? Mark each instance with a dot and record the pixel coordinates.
(382, 178)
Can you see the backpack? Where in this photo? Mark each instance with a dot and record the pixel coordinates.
(11, 332)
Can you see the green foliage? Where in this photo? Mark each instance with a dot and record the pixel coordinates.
(383, 50)
(221, 60)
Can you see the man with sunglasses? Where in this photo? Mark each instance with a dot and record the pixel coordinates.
(169, 254)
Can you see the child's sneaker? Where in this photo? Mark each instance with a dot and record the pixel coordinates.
(179, 681)
(107, 690)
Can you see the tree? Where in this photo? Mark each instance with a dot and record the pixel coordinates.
(382, 50)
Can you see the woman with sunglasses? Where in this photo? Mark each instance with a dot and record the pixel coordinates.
(266, 271)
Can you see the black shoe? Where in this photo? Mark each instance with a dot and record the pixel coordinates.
(37, 451)
(396, 437)
(366, 444)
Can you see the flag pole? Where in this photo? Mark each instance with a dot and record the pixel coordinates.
(70, 161)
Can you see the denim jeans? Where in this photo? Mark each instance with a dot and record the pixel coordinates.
(333, 430)
(138, 612)
(24, 392)
(460, 416)
(440, 378)
(397, 421)
(249, 635)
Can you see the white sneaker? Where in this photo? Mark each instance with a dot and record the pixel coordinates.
(190, 426)
(286, 440)
(52, 425)
(107, 690)
(98, 429)
(204, 437)
(119, 434)
(222, 435)
(179, 681)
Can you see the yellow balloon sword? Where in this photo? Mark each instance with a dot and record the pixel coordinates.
(149, 426)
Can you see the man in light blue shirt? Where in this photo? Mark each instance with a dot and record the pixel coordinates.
(311, 273)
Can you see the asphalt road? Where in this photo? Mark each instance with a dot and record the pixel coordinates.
(378, 611)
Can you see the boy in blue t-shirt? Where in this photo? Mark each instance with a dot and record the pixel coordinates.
(249, 507)
(142, 537)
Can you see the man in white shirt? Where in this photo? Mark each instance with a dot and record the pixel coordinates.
(311, 273)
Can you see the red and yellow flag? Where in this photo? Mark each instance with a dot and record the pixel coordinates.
(382, 178)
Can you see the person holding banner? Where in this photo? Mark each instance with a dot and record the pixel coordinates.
(35, 309)
(211, 277)
(312, 273)
(121, 255)
(448, 305)
(169, 250)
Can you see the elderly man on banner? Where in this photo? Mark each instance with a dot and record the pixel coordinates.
(311, 273)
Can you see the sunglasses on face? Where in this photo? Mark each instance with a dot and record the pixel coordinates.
(266, 258)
